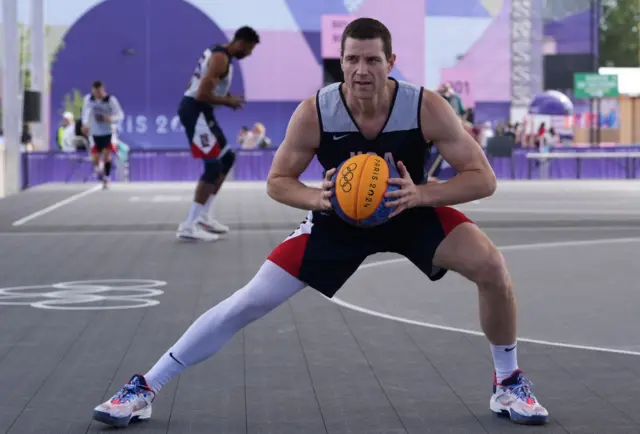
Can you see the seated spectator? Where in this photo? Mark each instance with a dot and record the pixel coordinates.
(242, 135)
(256, 138)
(66, 133)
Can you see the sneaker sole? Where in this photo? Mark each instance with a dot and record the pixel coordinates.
(118, 422)
(188, 238)
(212, 230)
(519, 419)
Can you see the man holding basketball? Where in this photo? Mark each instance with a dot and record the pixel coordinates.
(368, 113)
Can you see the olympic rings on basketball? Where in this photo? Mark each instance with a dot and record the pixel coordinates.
(347, 177)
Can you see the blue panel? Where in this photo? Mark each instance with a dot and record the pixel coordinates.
(455, 8)
(307, 13)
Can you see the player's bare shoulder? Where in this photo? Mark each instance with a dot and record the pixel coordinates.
(304, 126)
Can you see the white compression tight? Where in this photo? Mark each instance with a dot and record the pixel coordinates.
(270, 287)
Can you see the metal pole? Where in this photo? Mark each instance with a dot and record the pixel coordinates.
(596, 60)
(39, 70)
(11, 101)
(593, 69)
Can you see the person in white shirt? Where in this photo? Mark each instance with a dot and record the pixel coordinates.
(100, 112)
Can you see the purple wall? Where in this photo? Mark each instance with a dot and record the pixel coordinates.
(492, 111)
(571, 34)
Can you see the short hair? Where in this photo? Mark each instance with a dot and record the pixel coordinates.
(96, 84)
(368, 28)
(246, 34)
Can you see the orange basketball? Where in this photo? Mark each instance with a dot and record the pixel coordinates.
(360, 185)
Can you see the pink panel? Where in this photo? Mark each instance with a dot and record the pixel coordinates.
(490, 60)
(406, 23)
(281, 68)
(463, 82)
(331, 34)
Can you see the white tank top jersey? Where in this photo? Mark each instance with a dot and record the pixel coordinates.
(94, 111)
(222, 88)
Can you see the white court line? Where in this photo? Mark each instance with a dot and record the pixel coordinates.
(478, 333)
(57, 205)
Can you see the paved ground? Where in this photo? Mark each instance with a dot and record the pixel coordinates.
(95, 287)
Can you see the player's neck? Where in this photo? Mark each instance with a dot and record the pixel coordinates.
(231, 48)
(371, 107)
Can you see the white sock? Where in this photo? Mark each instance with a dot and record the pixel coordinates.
(194, 212)
(165, 369)
(270, 287)
(505, 361)
(208, 209)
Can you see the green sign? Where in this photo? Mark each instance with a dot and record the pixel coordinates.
(588, 85)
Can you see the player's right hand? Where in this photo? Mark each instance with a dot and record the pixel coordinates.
(324, 201)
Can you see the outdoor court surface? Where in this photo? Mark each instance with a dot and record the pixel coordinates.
(95, 288)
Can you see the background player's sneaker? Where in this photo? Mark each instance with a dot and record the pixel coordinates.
(194, 232)
(212, 225)
(131, 402)
(513, 398)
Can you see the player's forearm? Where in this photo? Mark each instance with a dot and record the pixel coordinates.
(464, 187)
(212, 99)
(290, 191)
(85, 117)
(118, 114)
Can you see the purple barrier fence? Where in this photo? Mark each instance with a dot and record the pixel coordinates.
(43, 167)
(180, 166)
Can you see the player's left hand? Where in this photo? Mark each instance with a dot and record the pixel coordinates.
(404, 198)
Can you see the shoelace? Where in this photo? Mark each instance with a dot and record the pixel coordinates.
(128, 391)
(523, 389)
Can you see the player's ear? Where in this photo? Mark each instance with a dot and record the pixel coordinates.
(392, 62)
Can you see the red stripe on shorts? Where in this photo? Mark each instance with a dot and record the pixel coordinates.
(288, 255)
(450, 218)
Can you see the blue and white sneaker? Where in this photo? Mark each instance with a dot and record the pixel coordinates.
(132, 402)
(513, 398)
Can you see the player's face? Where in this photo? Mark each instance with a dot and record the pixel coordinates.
(365, 66)
(99, 92)
(245, 49)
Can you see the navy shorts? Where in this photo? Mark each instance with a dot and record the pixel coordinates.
(325, 251)
(101, 142)
(189, 111)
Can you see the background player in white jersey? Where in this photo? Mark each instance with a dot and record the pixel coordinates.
(100, 113)
(208, 88)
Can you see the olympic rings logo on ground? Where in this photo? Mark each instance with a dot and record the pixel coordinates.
(347, 177)
(105, 294)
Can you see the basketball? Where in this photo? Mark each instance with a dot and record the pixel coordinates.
(360, 186)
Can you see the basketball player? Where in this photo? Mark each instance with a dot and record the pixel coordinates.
(369, 112)
(208, 88)
(100, 112)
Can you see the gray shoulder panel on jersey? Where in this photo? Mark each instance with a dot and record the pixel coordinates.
(405, 109)
(334, 116)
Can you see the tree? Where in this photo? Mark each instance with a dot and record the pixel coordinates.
(25, 53)
(620, 33)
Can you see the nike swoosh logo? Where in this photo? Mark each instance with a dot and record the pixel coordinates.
(510, 349)
(339, 137)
